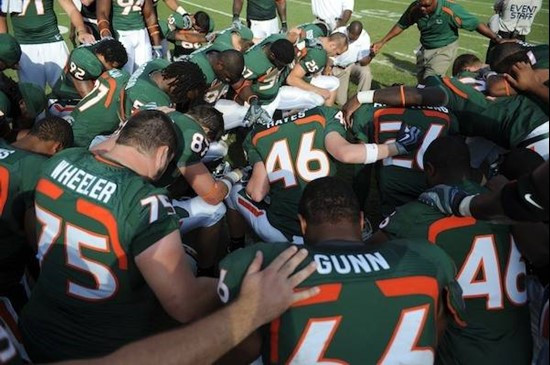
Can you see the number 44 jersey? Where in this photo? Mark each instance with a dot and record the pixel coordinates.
(376, 304)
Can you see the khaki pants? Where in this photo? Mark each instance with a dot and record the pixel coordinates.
(359, 75)
(432, 62)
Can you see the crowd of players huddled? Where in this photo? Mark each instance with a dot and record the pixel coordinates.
(175, 164)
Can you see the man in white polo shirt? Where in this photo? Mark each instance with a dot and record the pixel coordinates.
(354, 63)
(334, 13)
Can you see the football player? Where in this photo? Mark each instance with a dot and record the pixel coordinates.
(287, 154)
(401, 178)
(394, 297)
(109, 247)
(261, 17)
(20, 165)
(498, 328)
(308, 31)
(135, 25)
(186, 40)
(232, 38)
(44, 52)
(307, 88)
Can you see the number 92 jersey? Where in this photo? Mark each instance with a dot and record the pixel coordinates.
(127, 14)
(491, 273)
(376, 305)
(401, 178)
(95, 217)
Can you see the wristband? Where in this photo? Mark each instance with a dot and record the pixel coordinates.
(371, 153)
(181, 10)
(366, 97)
(464, 206)
(236, 17)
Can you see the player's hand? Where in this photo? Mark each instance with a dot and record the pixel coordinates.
(256, 115)
(236, 23)
(210, 37)
(376, 47)
(157, 51)
(284, 28)
(324, 93)
(445, 198)
(408, 139)
(522, 77)
(349, 108)
(187, 21)
(266, 294)
(85, 38)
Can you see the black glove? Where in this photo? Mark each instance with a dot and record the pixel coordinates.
(256, 114)
(445, 198)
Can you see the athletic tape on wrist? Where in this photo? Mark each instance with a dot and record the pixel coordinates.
(181, 10)
(366, 97)
(371, 153)
(464, 207)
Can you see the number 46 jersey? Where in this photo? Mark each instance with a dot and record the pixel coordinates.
(376, 304)
(94, 217)
(401, 178)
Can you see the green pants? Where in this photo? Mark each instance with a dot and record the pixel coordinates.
(430, 62)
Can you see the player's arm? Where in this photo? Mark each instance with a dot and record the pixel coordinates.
(166, 270)
(346, 13)
(498, 86)
(484, 30)
(183, 35)
(173, 5)
(281, 11)
(394, 32)
(296, 78)
(200, 179)
(103, 13)
(258, 185)
(151, 21)
(357, 153)
(237, 8)
(76, 19)
(83, 87)
(525, 79)
(3, 23)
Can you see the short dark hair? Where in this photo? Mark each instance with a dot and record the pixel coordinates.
(355, 27)
(449, 155)
(339, 37)
(186, 76)
(55, 129)
(203, 21)
(463, 61)
(148, 130)
(329, 200)
(233, 63)
(506, 55)
(209, 117)
(113, 51)
(283, 50)
(518, 162)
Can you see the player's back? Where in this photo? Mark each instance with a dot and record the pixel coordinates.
(95, 217)
(402, 177)
(141, 89)
(376, 304)
(293, 152)
(491, 274)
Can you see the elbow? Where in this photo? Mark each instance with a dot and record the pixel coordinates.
(293, 80)
(257, 195)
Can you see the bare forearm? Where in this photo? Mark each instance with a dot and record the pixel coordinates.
(3, 24)
(411, 96)
(151, 21)
(484, 30)
(281, 10)
(237, 7)
(103, 14)
(344, 18)
(394, 32)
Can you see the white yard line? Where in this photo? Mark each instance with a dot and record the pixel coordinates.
(404, 55)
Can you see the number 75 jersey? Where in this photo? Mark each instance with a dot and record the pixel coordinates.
(377, 305)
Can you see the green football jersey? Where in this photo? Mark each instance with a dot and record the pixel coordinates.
(539, 56)
(266, 78)
(377, 304)
(19, 171)
(37, 23)
(127, 14)
(192, 140)
(224, 38)
(82, 65)
(313, 30)
(99, 112)
(293, 151)
(315, 58)
(141, 89)
(401, 178)
(95, 217)
(261, 9)
(491, 273)
(216, 88)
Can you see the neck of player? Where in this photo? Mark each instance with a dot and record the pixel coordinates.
(132, 159)
(341, 231)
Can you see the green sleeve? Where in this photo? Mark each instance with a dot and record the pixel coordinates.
(314, 61)
(362, 123)
(253, 155)
(251, 71)
(406, 19)
(334, 124)
(232, 270)
(153, 218)
(84, 64)
(194, 143)
(463, 19)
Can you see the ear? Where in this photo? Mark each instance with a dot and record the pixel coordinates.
(57, 146)
(303, 224)
(162, 157)
(429, 169)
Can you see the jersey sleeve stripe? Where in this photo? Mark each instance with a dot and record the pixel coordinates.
(4, 187)
(274, 342)
(93, 212)
(49, 189)
(112, 89)
(447, 223)
(262, 134)
(410, 285)
(327, 293)
(454, 89)
(312, 119)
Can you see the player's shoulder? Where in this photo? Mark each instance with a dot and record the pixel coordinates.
(120, 75)
(419, 252)
(186, 124)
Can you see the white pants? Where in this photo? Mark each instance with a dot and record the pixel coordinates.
(234, 113)
(197, 213)
(138, 47)
(256, 217)
(216, 151)
(264, 28)
(540, 147)
(43, 63)
(291, 97)
(61, 108)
